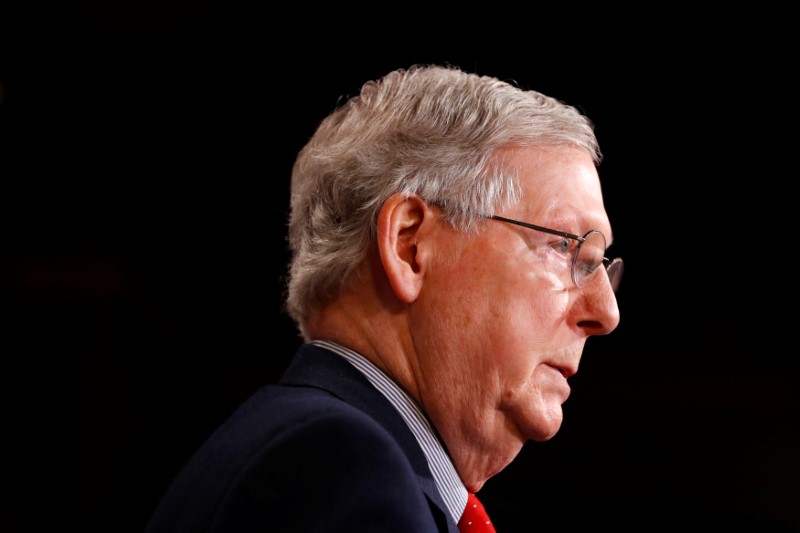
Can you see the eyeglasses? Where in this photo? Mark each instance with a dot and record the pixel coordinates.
(588, 256)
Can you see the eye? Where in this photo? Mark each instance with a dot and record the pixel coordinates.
(563, 245)
(586, 267)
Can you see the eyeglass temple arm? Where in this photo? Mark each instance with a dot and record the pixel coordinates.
(538, 228)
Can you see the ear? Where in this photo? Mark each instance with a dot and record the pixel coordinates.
(403, 224)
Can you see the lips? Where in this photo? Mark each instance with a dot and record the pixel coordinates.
(553, 382)
(565, 371)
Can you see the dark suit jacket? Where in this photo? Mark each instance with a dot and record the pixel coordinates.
(321, 451)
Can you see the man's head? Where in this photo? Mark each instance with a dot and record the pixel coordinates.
(396, 253)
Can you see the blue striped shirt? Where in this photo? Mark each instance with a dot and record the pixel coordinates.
(444, 473)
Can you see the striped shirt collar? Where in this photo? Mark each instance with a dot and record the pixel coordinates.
(447, 481)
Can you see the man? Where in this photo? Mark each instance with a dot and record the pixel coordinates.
(449, 263)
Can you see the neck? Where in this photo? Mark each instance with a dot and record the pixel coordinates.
(356, 320)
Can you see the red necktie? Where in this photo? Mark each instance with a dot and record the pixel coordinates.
(475, 519)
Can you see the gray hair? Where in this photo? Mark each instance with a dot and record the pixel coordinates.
(429, 130)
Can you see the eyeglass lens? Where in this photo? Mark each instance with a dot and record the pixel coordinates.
(589, 257)
(614, 270)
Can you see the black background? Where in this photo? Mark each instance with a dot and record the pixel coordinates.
(145, 155)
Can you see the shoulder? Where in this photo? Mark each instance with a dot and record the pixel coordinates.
(327, 463)
(327, 427)
(299, 458)
(322, 436)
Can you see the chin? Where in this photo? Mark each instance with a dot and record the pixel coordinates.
(546, 436)
(545, 428)
(539, 420)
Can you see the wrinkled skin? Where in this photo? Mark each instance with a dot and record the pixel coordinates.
(483, 330)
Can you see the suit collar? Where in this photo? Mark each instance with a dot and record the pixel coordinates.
(314, 366)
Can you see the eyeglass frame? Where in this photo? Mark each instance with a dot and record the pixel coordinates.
(606, 262)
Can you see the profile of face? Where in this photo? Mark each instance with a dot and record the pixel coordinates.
(499, 325)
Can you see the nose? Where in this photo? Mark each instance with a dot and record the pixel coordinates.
(598, 311)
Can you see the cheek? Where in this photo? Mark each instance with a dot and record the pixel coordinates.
(549, 298)
(504, 316)
(534, 317)
(534, 307)
(506, 304)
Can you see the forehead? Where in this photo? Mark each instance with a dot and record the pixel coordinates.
(559, 184)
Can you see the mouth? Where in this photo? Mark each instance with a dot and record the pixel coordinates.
(566, 371)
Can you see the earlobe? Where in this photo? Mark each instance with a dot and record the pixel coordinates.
(401, 225)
